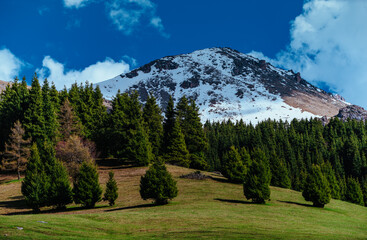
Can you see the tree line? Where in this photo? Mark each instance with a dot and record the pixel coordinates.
(74, 126)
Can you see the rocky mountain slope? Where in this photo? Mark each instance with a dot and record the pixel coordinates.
(3, 85)
(227, 84)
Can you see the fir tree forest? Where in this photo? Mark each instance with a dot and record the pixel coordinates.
(53, 136)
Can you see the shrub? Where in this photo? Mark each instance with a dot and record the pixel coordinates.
(158, 184)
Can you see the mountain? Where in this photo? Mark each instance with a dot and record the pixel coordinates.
(227, 84)
(3, 85)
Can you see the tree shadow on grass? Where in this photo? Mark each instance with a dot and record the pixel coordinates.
(132, 207)
(53, 210)
(219, 179)
(17, 202)
(296, 203)
(234, 201)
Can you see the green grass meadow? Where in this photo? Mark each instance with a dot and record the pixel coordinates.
(204, 209)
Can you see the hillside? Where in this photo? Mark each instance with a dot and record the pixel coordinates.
(210, 208)
(3, 85)
(227, 84)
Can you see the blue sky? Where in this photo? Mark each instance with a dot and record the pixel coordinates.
(69, 40)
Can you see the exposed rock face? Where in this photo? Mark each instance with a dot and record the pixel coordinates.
(227, 84)
(3, 85)
(352, 112)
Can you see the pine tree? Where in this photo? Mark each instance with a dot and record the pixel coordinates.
(257, 179)
(279, 172)
(87, 190)
(234, 168)
(176, 152)
(329, 173)
(35, 185)
(354, 192)
(111, 194)
(50, 117)
(316, 188)
(17, 150)
(158, 184)
(153, 119)
(128, 137)
(168, 124)
(34, 121)
(60, 193)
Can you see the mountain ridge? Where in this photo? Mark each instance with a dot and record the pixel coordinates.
(227, 84)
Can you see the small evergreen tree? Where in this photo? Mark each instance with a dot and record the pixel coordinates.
(354, 193)
(329, 173)
(316, 188)
(158, 184)
(60, 193)
(35, 185)
(257, 179)
(234, 168)
(279, 172)
(17, 150)
(87, 190)
(111, 194)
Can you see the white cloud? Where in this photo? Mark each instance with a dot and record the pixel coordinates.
(75, 3)
(100, 71)
(127, 15)
(328, 44)
(10, 65)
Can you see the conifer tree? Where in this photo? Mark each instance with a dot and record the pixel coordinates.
(316, 188)
(50, 117)
(329, 173)
(153, 119)
(17, 150)
(87, 190)
(353, 192)
(128, 137)
(111, 194)
(176, 152)
(234, 168)
(34, 121)
(158, 184)
(35, 185)
(168, 124)
(257, 179)
(60, 193)
(279, 172)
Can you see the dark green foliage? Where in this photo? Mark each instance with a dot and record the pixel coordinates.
(257, 179)
(87, 190)
(176, 152)
(111, 194)
(60, 193)
(168, 124)
(279, 172)
(153, 118)
(35, 185)
(354, 192)
(34, 121)
(316, 187)
(192, 129)
(158, 184)
(328, 172)
(234, 169)
(128, 138)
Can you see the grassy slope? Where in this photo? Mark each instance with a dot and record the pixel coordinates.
(204, 209)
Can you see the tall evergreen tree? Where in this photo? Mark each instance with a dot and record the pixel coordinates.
(279, 172)
(234, 168)
(153, 119)
(35, 184)
(34, 121)
(168, 124)
(50, 117)
(329, 173)
(69, 123)
(354, 192)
